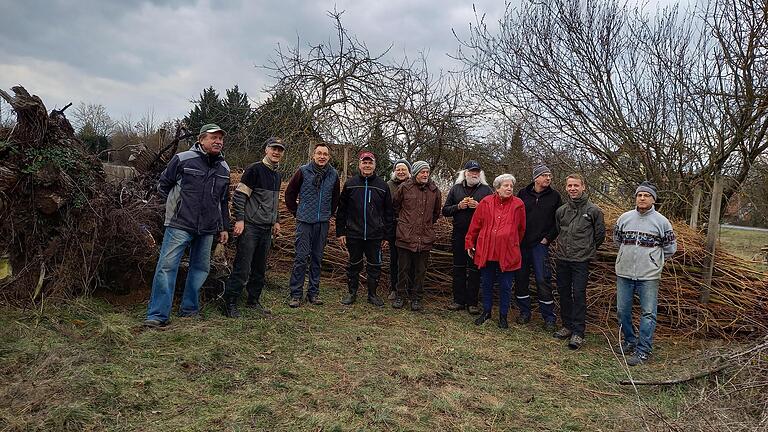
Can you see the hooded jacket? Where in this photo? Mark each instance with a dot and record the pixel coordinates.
(540, 210)
(497, 225)
(645, 241)
(581, 230)
(418, 208)
(365, 209)
(195, 188)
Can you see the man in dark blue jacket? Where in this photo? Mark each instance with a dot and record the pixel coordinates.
(195, 187)
(311, 196)
(255, 207)
(363, 222)
(541, 203)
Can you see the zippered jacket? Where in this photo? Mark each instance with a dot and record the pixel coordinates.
(496, 231)
(418, 208)
(462, 218)
(195, 188)
(365, 209)
(645, 241)
(312, 196)
(581, 230)
(540, 210)
(257, 196)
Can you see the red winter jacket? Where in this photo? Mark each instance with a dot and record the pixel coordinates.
(507, 236)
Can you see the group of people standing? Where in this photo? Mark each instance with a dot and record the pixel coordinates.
(497, 240)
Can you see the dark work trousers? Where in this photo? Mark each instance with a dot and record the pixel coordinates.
(491, 275)
(393, 263)
(250, 263)
(538, 258)
(310, 243)
(412, 268)
(370, 251)
(466, 277)
(572, 286)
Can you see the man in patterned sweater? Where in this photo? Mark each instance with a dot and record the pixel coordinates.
(646, 239)
(255, 207)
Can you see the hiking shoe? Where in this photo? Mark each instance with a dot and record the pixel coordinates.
(576, 342)
(231, 311)
(562, 334)
(392, 295)
(416, 305)
(349, 299)
(523, 319)
(503, 322)
(397, 303)
(154, 324)
(455, 306)
(375, 300)
(295, 302)
(473, 310)
(258, 308)
(637, 358)
(485, 316)
(315, 300)
(626, 347)
(194, 314)
(550, 327)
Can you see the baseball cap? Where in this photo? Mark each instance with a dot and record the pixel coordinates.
(274, 142)
(366, 154)
(472, 165)
(211, 128)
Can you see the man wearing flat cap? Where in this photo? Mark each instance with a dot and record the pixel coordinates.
(255, 207)
(646, 240)
(470, 187)
(363, 222)
(195, 188)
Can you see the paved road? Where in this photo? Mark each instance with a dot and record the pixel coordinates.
(743, 228)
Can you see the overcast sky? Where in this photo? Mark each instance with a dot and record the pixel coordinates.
(132, 56)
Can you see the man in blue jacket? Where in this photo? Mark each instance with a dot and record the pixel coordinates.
(311, 196)
(646, 240)
(195, 187)
(255, 209)
(363, 222)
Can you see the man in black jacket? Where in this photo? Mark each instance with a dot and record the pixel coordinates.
(363, 222)
(541, 203)
(462, 200)
(255, 207)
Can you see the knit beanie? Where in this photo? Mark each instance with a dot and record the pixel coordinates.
(404, 162)
(418, 166)
(648, 187)
(539, 170)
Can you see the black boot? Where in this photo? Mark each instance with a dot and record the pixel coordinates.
(349, 299)
(231, 311)
(503, 321)
(374, 299)
(485, 316)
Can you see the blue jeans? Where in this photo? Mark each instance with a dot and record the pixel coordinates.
(310, 243)
(175, 241)
(648, 292)
(489, 275)
(538, 258)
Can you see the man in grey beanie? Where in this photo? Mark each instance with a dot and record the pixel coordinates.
(417, 203)
(646, 240)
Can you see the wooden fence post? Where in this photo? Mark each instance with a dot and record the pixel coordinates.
(698, 192)
(713, 230)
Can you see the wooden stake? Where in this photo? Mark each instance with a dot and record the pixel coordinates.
(713, 230)
(698, 192)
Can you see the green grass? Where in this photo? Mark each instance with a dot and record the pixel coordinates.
(86, 365)
(744, 243)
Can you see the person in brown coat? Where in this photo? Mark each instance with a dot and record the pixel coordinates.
(417, 204)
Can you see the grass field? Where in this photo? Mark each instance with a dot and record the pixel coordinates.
(744, 243)
(87, 365)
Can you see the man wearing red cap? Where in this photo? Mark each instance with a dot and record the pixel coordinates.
(363, 222)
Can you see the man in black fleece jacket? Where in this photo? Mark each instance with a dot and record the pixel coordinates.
(541, 203)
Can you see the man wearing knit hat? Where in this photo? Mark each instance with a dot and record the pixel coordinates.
(417, 203)
(645, 239)
(470, 187)
(541, 203)
(401, 171)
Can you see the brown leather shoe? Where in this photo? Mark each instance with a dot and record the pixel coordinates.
(453, 306)
(315, 300)
(473, 310)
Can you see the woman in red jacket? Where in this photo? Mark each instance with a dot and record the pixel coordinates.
(493, 241)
